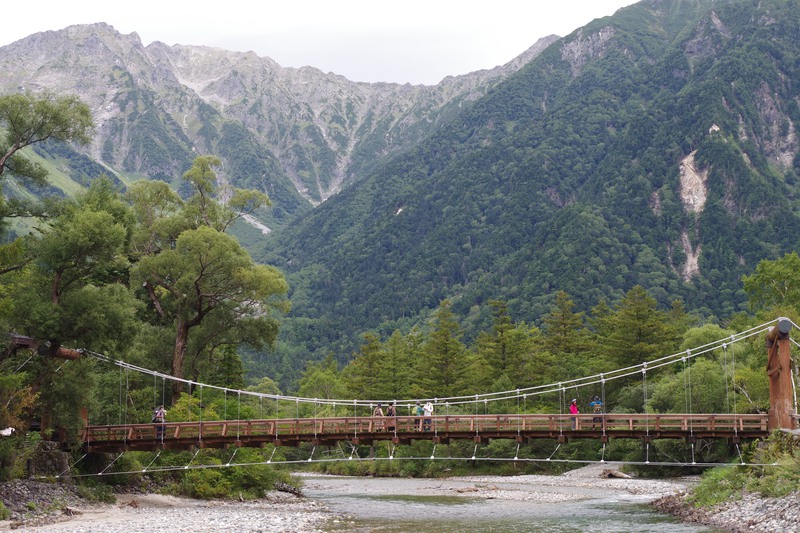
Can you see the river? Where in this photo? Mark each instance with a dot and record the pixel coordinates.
(576, 502)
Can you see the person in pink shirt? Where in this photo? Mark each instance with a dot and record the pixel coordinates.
(573, 410)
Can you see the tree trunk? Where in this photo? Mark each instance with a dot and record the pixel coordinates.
(178, 353)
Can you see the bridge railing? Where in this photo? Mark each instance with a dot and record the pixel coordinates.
(457, 426)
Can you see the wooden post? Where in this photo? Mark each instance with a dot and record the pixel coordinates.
(779, 371)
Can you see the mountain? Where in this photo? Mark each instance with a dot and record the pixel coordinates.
(298, 134)
(655, 147)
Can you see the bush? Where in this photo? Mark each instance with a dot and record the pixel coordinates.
(719, 485)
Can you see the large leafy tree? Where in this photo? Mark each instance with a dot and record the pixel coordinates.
(201, 282)
(775, 285)
(27, 119)
(30, 118)
(75, 294)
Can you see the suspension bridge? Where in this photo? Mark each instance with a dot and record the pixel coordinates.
(356, 428)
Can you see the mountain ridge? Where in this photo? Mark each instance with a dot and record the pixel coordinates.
(303, 135)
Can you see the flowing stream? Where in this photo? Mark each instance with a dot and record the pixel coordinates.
(495, 504)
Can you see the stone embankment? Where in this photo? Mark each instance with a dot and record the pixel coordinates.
(751, 513)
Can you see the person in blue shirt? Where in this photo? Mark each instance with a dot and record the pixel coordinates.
(597, 409)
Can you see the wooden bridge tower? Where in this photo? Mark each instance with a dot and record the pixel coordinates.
(779, 371)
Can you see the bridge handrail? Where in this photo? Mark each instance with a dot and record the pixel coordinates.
(464, 424)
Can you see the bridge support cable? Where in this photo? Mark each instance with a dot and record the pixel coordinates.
(230, 460)
(158, 453)
(238, 414)
(488, 397)
(186, 466)
(554, 452)
(355, 422)
(315, 420)
(121, 398)
(733, 390)
(603, 411)
(109, 465)
(646, 417)
(725, 373)
(200, 411)
(70, 467)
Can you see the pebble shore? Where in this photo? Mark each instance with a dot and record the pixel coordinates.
(751, 513)
(57, 508)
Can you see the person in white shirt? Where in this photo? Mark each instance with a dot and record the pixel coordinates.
(428, 412)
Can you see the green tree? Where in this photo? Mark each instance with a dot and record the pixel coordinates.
(209, 280)
(444, 360)
(74, 293)
(26, 119)
(32, 118)
(775, 284)
(199, 280)
(323, 380)
(566, 338)
(507, 348)
(361, 373)
(214, 206)
(637, 330)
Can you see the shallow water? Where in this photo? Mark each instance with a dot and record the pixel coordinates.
(433, 506)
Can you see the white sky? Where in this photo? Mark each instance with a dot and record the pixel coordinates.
(416, 41)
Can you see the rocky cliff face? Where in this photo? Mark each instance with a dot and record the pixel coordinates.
(299, 134)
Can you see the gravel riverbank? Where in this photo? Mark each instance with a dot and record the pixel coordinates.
(751, 513)
(55, 508)
(58, 508)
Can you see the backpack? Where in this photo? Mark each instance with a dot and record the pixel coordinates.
(598, 407)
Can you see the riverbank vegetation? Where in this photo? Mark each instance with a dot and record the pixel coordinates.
(773, 471)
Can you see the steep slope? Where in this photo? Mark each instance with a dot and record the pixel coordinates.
(298, 134)
(655, 147)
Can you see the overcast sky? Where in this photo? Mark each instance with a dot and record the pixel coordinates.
(416, 41)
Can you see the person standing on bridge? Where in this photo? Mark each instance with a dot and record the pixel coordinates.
(597, 409)
(159, 417)
(573, 410)
(391, 413)
(428, 411)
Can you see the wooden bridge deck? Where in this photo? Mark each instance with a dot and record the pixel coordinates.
(405, 429)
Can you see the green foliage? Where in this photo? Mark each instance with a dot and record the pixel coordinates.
(774, 284)
(93, 491)
(720, 485)
(777, 474)
(32, 118)
(218, 481)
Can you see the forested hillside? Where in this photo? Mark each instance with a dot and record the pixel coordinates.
(656, 147)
